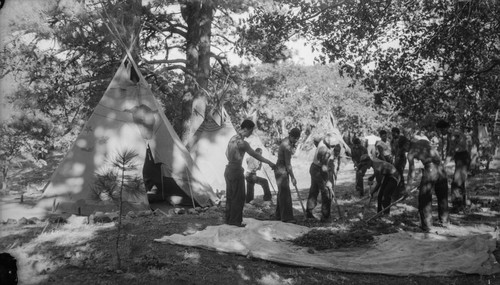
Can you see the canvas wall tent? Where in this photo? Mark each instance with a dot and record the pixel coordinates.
(128, 117)
(208, 149)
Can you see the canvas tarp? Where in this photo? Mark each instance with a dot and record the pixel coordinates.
(127, 118)
(401, 254)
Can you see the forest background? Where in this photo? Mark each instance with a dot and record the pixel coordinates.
(377, 64)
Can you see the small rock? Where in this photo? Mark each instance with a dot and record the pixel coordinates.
(113, 216)
(34, 220)
(179, 211)
(131, 213)
(144, 213)
(78, 220)
(57, 220)
(11, 221)
(23, 221)
(102, 219)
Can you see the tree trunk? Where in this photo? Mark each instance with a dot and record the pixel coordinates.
(198, 16)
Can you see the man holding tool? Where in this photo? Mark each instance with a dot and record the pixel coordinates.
(433, 178)
(387, 178)
(322, 173)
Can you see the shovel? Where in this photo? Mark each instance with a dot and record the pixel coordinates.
(301, 204)
(334, 199)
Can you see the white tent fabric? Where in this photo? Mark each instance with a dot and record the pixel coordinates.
(399, 254)
(208, 149)
(128, 117)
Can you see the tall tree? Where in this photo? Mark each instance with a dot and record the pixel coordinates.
(427, 57)
(89, 38)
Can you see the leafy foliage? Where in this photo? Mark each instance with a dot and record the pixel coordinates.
(288, 95)
(428, 58)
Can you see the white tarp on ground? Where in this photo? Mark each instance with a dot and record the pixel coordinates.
(402, 254)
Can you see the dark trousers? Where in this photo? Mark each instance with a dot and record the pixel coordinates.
(253, 179)
(359, 182)
(284, 208)
(389, 185)
(458, 191)
(235, 194)
(433, 177)
(318, 185)
(400, 164)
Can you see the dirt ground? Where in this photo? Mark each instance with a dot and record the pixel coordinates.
(78, 253)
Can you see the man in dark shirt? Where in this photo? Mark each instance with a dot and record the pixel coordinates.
(253, 165)
(284, 173)
(235, 179)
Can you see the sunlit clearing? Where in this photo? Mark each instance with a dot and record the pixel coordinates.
(272, 278)
(241, 271)
(68, 235)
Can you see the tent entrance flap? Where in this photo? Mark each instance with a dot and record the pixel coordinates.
(161, 188)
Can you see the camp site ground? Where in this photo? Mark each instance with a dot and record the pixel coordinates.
(51, 251)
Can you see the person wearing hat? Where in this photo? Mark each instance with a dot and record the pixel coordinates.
(433, 178)
(322, 171)
(234, 176)
(284, 173)
(387, 178)
(357, 151)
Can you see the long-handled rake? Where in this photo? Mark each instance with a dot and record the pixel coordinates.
(378, 214)
(334, 198)
(300, 200)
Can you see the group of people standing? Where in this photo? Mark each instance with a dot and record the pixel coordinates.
(388, 160)
(235, 177)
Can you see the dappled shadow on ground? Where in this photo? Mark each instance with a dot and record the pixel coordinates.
(88, 253)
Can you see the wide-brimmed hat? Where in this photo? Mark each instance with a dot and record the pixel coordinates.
(331, 140)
